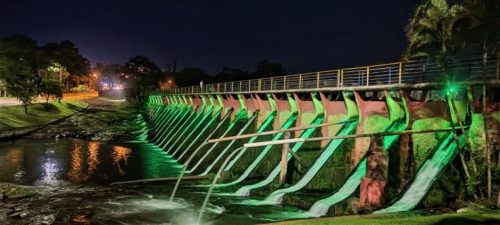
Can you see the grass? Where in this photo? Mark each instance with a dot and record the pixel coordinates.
(14, 116)
(466, 218)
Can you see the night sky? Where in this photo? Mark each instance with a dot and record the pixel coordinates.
(302, 35)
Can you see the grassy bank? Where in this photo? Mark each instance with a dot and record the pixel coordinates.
(14, 116)
(466, 218)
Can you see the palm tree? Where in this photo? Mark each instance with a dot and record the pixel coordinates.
(431, 33)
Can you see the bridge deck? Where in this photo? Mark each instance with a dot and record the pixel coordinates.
(397, 75)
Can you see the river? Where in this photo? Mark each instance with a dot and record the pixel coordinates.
(71, 177)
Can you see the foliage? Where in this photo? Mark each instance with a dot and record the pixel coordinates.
(478, 30)
(51, 88)
(268, 69)
(67, 55)
(231, 74)
(79, 88)
(19, 64)
(143, 75)
(444, 30)
(430, 31)
(110, 73)
(191, 76)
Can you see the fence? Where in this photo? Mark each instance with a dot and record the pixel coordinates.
(384, 74)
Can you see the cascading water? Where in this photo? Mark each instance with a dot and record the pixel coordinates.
(277, 196)
(245, 190)
(214, 145)
(321, 207)
(182, 135)
(174, 149)
(229, 145)
(268, 121)
(172, 128)
(181, 126)
(427, 174)
(290, 121)
(207, 125)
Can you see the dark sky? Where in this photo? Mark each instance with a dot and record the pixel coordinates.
(302, 35)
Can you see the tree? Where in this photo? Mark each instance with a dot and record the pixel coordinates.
(231, 74)
(143, 75)
(67, 55)
(51, 88)
(19, 64)
(191, 76)
(480, 30)
(111, 73)
(430, 32)
(267, 69)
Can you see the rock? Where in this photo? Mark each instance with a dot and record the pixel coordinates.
(22, 214)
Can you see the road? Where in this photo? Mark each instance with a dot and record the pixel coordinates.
(67, 96)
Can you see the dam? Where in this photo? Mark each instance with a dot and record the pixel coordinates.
(371, 139)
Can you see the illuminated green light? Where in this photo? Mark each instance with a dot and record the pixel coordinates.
(450, 89)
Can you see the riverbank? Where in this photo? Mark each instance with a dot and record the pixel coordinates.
(105, 119)
(467, 216)
(12, 117)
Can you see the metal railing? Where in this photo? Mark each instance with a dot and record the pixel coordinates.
(413, 72)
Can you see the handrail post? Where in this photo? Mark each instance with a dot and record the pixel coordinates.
(300, 81)
(317, 80)
(218, 87)
(241, 82)
(259, 85)
(400, 74)
(342, 77)
(367, 76)
(271, 88)
(249, 88)
(284, 82)
(232, 86)
(338, 77)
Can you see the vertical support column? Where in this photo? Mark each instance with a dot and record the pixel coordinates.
(284, 159)
(372, 187)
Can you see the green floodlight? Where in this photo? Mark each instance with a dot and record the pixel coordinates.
(451, 89)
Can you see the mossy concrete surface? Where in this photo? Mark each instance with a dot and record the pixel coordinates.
(466, 218)
(38, 114)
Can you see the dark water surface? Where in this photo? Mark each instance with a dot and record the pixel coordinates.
(70, 178)
(39, 161)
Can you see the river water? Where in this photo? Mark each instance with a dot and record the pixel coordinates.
(71, 180)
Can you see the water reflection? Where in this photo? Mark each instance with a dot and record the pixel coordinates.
(49, 171)
(13, 163)
(121, 154)
(93, 159)
(75, 174)
(41, 161)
